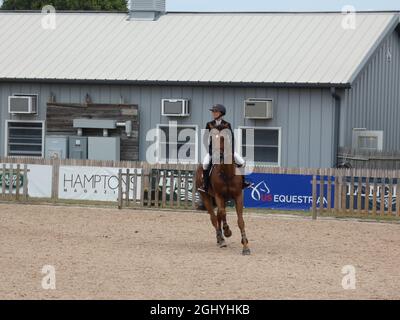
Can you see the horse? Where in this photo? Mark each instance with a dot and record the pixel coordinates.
(225, 185)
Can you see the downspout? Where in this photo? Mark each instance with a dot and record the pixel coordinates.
(337, 125)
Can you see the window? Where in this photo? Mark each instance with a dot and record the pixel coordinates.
(266, 144)
(367, 140)
(24, 138)
(185, 147)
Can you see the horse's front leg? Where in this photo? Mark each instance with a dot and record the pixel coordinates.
(239, 211)
(207, 201)
(220, 215)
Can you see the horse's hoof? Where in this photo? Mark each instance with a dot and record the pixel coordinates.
(227, 233)
(246, 252)
(221, 244)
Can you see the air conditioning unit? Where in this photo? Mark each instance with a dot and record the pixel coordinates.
(258, 109)
(25, 104)
(175, 107)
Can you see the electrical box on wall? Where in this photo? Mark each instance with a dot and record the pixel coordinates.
(56, 147)
(78, 147)
(104, 148)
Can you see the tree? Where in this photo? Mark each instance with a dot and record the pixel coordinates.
(98, 5)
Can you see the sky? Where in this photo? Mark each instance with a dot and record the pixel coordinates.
(279, 5)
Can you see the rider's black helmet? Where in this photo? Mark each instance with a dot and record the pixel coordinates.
(220, 108)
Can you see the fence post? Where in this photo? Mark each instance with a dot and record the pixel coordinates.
(352, 192)
(178, 191)
(383, 189)
(142, 186)
(374, 194)
(186, 188)
(11, 181)
(397, 193)
(337, 186)
(329, 192)
(172, 189)
(55, 180)
(314, 197)
(367, 192)
(3, 181)
(194, 190)
(134, 187)
(120, 189)
(127, 187)
(25, 186)
(150, 190)
(390, 198)
(359, 189)
(17, 181)
(164, 189)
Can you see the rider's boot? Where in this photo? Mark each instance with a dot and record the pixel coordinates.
(246, 184)
(206, 178)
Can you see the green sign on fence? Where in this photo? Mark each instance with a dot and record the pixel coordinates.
(8, 178)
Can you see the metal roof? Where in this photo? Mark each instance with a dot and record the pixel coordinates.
(254, 48)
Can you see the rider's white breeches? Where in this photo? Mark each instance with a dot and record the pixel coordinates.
(238, 159)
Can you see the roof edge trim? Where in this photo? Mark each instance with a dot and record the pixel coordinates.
(182, 83)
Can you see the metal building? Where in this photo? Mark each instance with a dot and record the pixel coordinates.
(331, 80)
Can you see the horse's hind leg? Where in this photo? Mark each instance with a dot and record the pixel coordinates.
(220, 237)
(239, 211)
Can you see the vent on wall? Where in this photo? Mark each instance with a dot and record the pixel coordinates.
(367, 140)
(21, 103)
(175, 107)
(258, 109)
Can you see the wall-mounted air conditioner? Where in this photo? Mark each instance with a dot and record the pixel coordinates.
(175, 107)
(24, 104)
(258, 109)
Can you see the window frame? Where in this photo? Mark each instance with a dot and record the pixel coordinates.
(264, 164)
(175, 161)
(6, 136)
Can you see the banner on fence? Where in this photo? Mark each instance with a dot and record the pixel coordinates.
(94, 183)
(174, 185)
(380, 187)
(281, 191)
(39, 179)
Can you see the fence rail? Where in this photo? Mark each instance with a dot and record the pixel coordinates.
(360, 192)
(366, 192)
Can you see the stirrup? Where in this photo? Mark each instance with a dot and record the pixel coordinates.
(247, 184)
(202, 189)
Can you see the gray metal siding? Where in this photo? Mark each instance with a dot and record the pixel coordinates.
(373, 102)
(306, 116)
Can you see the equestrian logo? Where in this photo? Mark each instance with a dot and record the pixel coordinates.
(259, 190)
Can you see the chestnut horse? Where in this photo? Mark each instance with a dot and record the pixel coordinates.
(225, 185)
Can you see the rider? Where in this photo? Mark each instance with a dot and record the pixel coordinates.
(218, 111)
